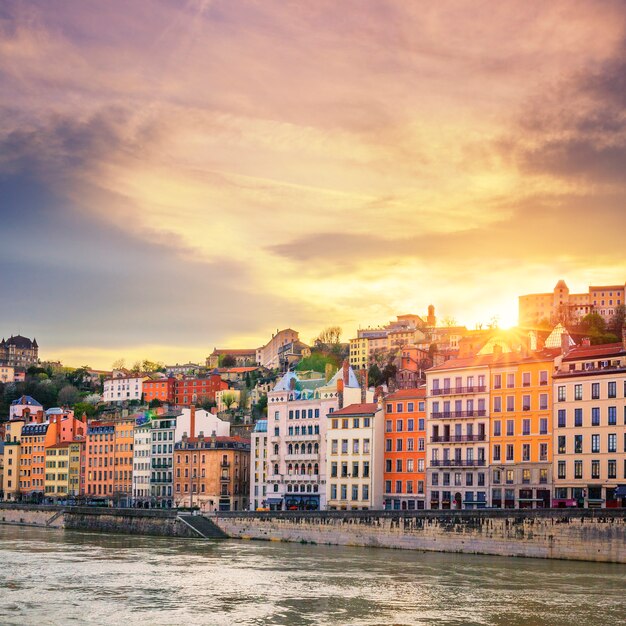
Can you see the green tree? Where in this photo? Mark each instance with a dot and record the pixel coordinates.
(84, 408)
(619, 319)
(374, 375)
(154, 403)
(317, 362)
(228, 399)
(228, 360)
(68, 396)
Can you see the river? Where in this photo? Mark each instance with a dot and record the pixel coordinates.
(63, 577)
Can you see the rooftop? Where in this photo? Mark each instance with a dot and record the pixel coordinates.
(367, 408)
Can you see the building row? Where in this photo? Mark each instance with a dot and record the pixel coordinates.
(518, 429)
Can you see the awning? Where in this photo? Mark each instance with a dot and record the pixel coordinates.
(620, 492)
(274, 500)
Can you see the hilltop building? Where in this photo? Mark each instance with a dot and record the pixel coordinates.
(19, 351)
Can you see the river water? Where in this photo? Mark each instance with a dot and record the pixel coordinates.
(63, 577)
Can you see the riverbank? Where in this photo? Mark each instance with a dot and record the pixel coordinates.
(574, 534)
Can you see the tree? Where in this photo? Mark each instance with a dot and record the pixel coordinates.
(118, 364)
(389, 372)
(207, 405)
(449, 321)
(228, 399)
(329, 337)
(617, 322)
(68, 396)
(154, 403)
(84, 408)
(594, 326)
(374, 375)
(229, 360)
(260, 408)
(317, 362)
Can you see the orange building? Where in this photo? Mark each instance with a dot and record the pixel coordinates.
(405, 449)
(123, 462)
(99, 460)
(198, 390)
(212, 473)
(521, 429)
(35, 438)
(159, 389)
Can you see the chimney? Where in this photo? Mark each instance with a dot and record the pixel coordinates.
(497, 350)
(364, 381)
(586, 342)
(346, 373)
(340, 393)
(564, 343)
(213, 439)
(201, 437)
(192, 421)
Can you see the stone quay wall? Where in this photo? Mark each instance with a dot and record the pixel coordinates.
(107, 520)
(579, 534)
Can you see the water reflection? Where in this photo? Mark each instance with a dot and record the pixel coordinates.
(55, 577)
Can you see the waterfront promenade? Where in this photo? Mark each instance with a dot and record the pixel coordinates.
(574, 534)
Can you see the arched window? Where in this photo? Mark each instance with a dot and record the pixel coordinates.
(309, 469)
(303, 469)
(275, 468)
(308, 488)
(275, 448)
(290, 449)
(309, 448)
(297, 468)
(316, 447)
(316, 469)
(297, 448)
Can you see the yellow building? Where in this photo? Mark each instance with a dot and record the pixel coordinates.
(57, 482)
(11, 459)
(76, 468)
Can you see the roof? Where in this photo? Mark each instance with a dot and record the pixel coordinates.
(64, 444)
(497, 360)
(20, 342)
(594, 352)
(237, 370)
(34, 429)
(367, 408)
(483, 360)
(241, 351)
(284, 383)
(26, 401)
(260, 426)
(419, 392)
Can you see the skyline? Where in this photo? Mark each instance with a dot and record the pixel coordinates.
(178, 178)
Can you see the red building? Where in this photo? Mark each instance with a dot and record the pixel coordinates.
(405, 449)
(198, 390)
(159, 389)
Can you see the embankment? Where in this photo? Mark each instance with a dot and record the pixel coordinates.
(580, 534)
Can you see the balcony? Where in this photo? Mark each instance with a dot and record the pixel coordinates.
(313, 437)
(302, 457)
(455, 414)
(457, 438)
(458, 463)
(224, 464)
(457, 391)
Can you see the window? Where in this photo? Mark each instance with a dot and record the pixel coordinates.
(526, 379)
(398, 445)
(398, 407)
(578, 417)
(561, 444)
(496, 452)
(543, 401)
(543, 451)
(497, 428)
(390, 408)
(561, 418)
(388, 426)
(561, 393)
(612, 469)
(410, 407)
(595, 443)
(595, 469)
(578, 469)
(409, 465)
(366, 492)
(595, 391)
(388, 445)
(561, 470)
(526, 476)
(543, 377)
(612, 442)
(510, 380)
(509, 451)
(578, 392)
(276, 431)
(496, 477)
(510, 476)
(410, 425)
(497, 381)
(355, 422)
(344, 446)
(543, 426)
(595, 416)
(578, 444)
(510, 428)
(526, 427)
(366, 446)
(612, 416)
(398, 465)
(409, 444)
(612, 389)
(333, 446)
(399, 424)
(510, 403)
(355, 446)
(333, 469)
(497, 404)
(387, 486)
(344, 492)
(355, 492)
(333, 492)
(526, 403)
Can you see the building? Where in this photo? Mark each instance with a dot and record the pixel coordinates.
(457, 404)
(100, 460)
(561, 305)
(123, 462)
(7, 373)
(241, 357)
(198, 390)
(212, 473)
(204, 421)
(268, 356)
(291, 353)
(405, 449)
(161, 389)
(355, 455)
(162, 458)
(186, 369)
(12, 459)
(57, 481)
(123, 388)
(19, 351)
(414, 362)
(142, 462)
(26, 407)
(589, 391)
(296, 436)
(520, 431)
(258, 466)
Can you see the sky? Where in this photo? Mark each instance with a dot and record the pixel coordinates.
(180, 175)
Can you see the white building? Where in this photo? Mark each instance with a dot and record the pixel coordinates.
(123, 388)
(258, 466)
(205, 422)
(296, 436)
(355, 442)
(142, 463)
